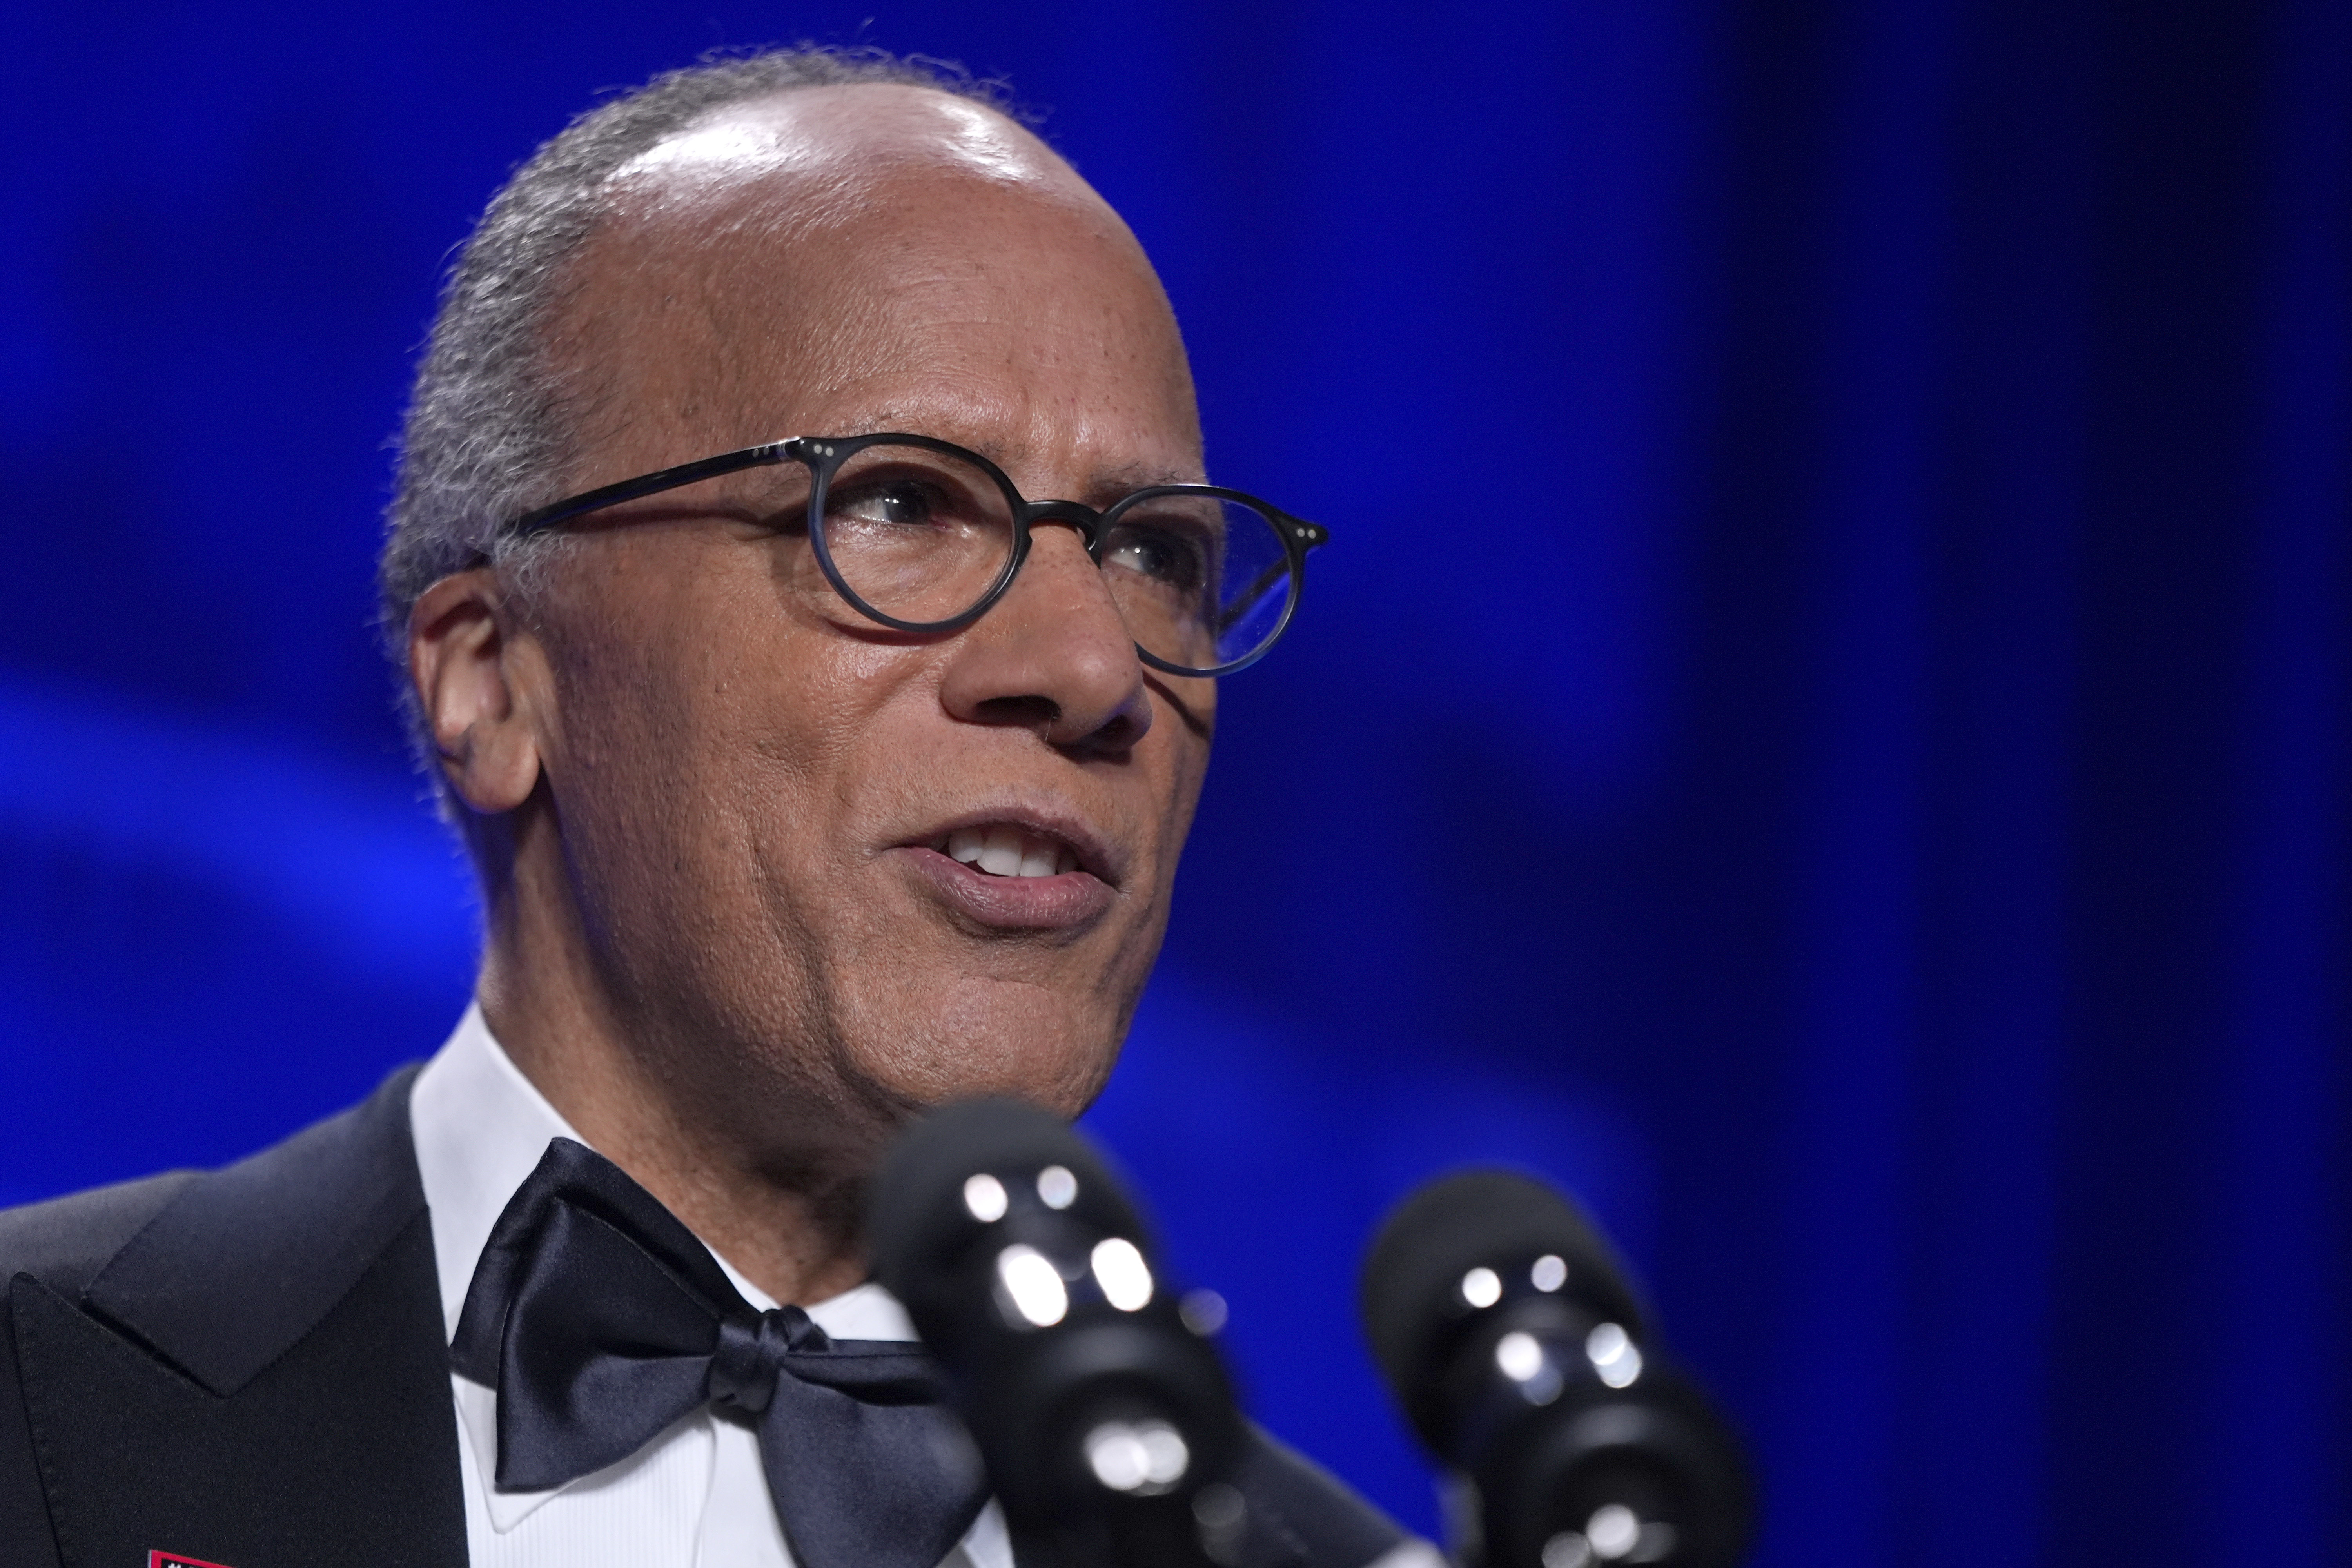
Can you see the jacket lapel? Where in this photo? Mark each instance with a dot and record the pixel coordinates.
(258, 1378)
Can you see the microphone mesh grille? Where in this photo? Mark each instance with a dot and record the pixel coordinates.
(1476, 1217)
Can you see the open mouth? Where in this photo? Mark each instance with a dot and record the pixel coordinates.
(1014, 869)
(1003, 849)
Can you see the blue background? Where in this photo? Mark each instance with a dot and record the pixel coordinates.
(1824, 726)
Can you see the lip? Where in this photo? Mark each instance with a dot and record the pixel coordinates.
(1060, 902)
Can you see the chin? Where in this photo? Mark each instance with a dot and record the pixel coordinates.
(1048, 1057)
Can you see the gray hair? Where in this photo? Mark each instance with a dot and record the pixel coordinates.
(490, 420)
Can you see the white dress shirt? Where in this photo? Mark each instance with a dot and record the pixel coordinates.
(696, 1497)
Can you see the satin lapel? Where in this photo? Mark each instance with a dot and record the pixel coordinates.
(258, 1378)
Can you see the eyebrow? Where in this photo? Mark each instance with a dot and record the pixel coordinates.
(1110, 481)
(1134, 477)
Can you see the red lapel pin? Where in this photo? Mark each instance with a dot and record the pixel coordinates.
(174, 1560)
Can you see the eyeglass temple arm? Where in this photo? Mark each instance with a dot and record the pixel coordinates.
(653, 484)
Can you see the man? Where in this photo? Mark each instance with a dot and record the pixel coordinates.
(809, 787)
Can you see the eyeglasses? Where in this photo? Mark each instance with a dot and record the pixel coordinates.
(921, 535)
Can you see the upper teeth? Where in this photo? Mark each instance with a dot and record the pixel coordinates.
(1007, 851)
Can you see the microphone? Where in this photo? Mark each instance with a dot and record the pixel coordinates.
(1107, 1426)
(1504, 1325)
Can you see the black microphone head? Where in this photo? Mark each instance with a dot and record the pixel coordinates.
(1508, 1330)
(917, 1213)
(1486, 1218)
(1030, 1274)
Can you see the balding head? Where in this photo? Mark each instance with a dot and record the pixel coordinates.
(837, 140)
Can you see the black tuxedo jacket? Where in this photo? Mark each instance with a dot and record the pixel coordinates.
(248, 1367)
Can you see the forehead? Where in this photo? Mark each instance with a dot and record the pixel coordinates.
(846, 258)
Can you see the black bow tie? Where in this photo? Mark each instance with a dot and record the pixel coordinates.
(600, 1319)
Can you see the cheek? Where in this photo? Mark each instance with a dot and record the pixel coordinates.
(1190, 727)
(678, 707)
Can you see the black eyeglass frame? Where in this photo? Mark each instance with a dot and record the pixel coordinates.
(823, 456)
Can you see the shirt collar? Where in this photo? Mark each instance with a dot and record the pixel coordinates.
(480, 1127)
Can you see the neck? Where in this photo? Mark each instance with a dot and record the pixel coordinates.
(781, 1208)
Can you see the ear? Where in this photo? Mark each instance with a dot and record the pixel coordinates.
(462, 660)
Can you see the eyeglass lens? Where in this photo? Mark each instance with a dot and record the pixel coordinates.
(922, 536)
(918, 535)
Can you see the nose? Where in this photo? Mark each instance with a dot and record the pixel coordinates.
(1053, 655)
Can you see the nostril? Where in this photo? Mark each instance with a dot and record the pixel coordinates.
(1049, 719)
(1117, 735)
(1041, 712)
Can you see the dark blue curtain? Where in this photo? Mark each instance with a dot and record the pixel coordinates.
(1823, 728)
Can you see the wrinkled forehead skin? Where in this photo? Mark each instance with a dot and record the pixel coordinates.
(910, 256)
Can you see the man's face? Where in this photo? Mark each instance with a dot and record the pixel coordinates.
(753, 788)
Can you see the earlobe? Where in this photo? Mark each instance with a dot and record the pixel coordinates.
(461, 661)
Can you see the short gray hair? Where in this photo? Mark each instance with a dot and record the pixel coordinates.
(490, 421)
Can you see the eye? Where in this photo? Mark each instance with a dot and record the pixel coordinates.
(894, 502)
(1169, 552)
